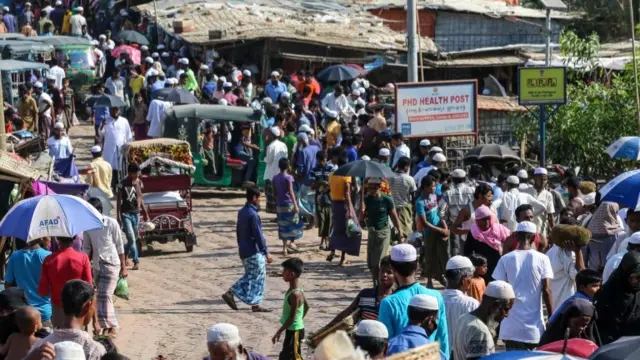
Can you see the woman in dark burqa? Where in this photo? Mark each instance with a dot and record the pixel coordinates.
(576, 316)
(618, 301)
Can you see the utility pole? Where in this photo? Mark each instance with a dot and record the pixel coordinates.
(635, 64)
(412, 48)
(3, 135)
(543, 113)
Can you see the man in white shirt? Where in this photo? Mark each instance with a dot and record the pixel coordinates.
(566, 264)
(337, 102)
(115, 132)
(105, 248)
(276, 150)
(115, 84)
(476, 330)
(57, 72)
(459, 271)
(77, 21)
(59, 144)
(155, 117)
(524, 185)
(400, 149)
(46, 111)
(514, 198)
(631, 243)
(544, 220)
(438, 160)
(530, 274)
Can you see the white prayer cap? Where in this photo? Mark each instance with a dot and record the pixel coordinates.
(123, 12)
(424, 301)
(355, 92)
(365, 83)
(51, 77)
(223, 332)
(160, 47)
(149, 59)
(6, 8)
(155, 55)
(79, 9)
(439, 158)
(246, 72)
(304, 128)
(275, 74)
(144, 47)
(175, 81)
(458, 174)
(153, 72)
(303, 137)
(522, 174)
(332, 114)
(204, 67)
(165, 54)
(214, 77)
(58, 3)
(390, 86)
(38, 85)
(224, 80)
(436, 149)
(184, 61)
(58, 125)
(372, 329)
(459, 262)
(425, 142)
(96, 149)
(589, 199)
(527, 226)
(104, 37)
(499, 289)
(513, 180)
(633, 239)
(373, 180)
(540, 171)
(69, 350)
(384, 152)
(222, 102)
(227, 85)
(365, 157)
(275, 131)
(403, 253)
(95, 42)
(286, 95)
(29, 4)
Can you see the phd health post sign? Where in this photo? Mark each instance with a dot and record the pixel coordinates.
(542, 85)
(443, 108)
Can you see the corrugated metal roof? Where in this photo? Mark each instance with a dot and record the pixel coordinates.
(491, 8)
(329, 24)
(476, 61)
(499, 103)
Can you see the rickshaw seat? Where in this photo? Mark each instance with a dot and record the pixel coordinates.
(233, 162)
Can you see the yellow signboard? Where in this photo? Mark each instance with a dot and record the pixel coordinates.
(542, 85)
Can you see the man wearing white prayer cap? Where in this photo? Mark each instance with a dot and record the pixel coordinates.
(224, 342)
(275, 87)
(512, 199)
(393, 309)
(476, 330)
(274, 152)
(545, 219)
(383, 156)
(100, 173)
(524, 186)
(458, 275)
(372, 336)
(438, 160)
(69, 350)
(423, 321)
(458, 197)
(425, 146)
(529, 272)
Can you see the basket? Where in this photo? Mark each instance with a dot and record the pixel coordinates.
(578, 235)
(348, 325)
(426, 352)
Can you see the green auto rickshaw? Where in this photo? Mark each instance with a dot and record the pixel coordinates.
(15, 73)
(218, 167)
(26, 50)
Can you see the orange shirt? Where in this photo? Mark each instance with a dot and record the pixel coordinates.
(476, 288)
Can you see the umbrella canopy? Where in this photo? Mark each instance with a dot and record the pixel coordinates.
(175, 95)
(134, 53)
(99, 194)
(491, 152)
(623, 189)
(338, 73)
(50, 215)
(132, 36)
(360, 69)
(576, 347)
(627, 147)
(106, 100)
(626, 348)
(365, 169)
(531, 355)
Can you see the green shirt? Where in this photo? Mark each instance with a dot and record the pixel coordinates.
(298, 319)
(191, 84)
(290, 140)
(378, 210)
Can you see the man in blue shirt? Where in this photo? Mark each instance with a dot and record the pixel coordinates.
(353, 145)
(425, 145)
(393, 308)
(274, 88)
(305, 159)
(254, 254)
(210, 86)
(422, 313)
(9, 20)
(23, 270)
(587, 283)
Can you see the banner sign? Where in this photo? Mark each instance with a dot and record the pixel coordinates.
(542, 85)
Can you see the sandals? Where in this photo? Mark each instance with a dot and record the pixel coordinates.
(228, 299)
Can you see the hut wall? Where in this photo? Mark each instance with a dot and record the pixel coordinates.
(396, 19)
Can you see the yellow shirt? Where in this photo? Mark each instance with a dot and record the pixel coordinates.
(333, 132)
(337, 186)
(136, 84)
(66, 23)
(100, 175)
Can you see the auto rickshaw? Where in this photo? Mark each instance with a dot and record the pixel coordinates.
(188, 122)
(166, 167)
(26, 50)
(14, 73)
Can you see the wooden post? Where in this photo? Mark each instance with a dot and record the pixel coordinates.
(3, 135)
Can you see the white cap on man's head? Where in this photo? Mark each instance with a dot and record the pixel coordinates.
(124, 12)
(58, 125)
(355, 92)
(6, 8)
(459, 262)
(37, 84)
(365, 158)
(275, 74)
(58, 3)
(527, 226)
(160, 46)
(634, 239)
(204, 67)
(275, 131)
(304, 128)
(79, 9)
(384, 152)
(403, 253)
(51, 77)
(424, 301)
(223, 79)
(96, 149)
(436, 149)
(29, 4)
(144, 47)
(522, 174)
(540, 171)
(104, 37)
(458, 174)
(227, 85)
(184, 61)
(149, 59)
(372, 329)
(223, 332)
(499, 289)
(155, 55)
(425, 142)
(246, 72)
(69, 350)
(165, 54)
(153, 72)
(513, 180)
(439, 158)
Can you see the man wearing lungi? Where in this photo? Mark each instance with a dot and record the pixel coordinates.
(403, 186)
(105, 248)
(254, 254)
(457, 198)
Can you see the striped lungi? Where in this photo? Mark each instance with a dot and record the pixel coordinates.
(250, 287)
(271, 198)
(289, 224)
(106, 280)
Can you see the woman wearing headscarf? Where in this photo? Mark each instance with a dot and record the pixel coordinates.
(618, 301)
(486, 238)
(576, 316)
(604, 226)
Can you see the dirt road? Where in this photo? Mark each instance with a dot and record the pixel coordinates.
(175, 296)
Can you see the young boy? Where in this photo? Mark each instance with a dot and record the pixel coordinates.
(320, 183)
(129, 205)
(588, 282)
(18, 344)
(294, 310)
(477, 286)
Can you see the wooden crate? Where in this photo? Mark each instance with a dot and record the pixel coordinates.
(427, 352)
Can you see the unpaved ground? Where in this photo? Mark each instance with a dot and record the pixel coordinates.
(175, 296)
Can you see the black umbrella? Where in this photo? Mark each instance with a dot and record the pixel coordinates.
(338, 73)
(132, 37)
(365, 169)
(491, 152)
(106, 100)
(627, 348)
(175, 95)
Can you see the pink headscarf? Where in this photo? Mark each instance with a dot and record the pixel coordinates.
(495, 234)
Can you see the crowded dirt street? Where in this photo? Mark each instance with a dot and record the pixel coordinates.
(175, 296)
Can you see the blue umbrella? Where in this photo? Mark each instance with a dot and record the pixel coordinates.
(623, 189)
(532, 355)
(627, 147)
(50, 215)
(338, 73)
